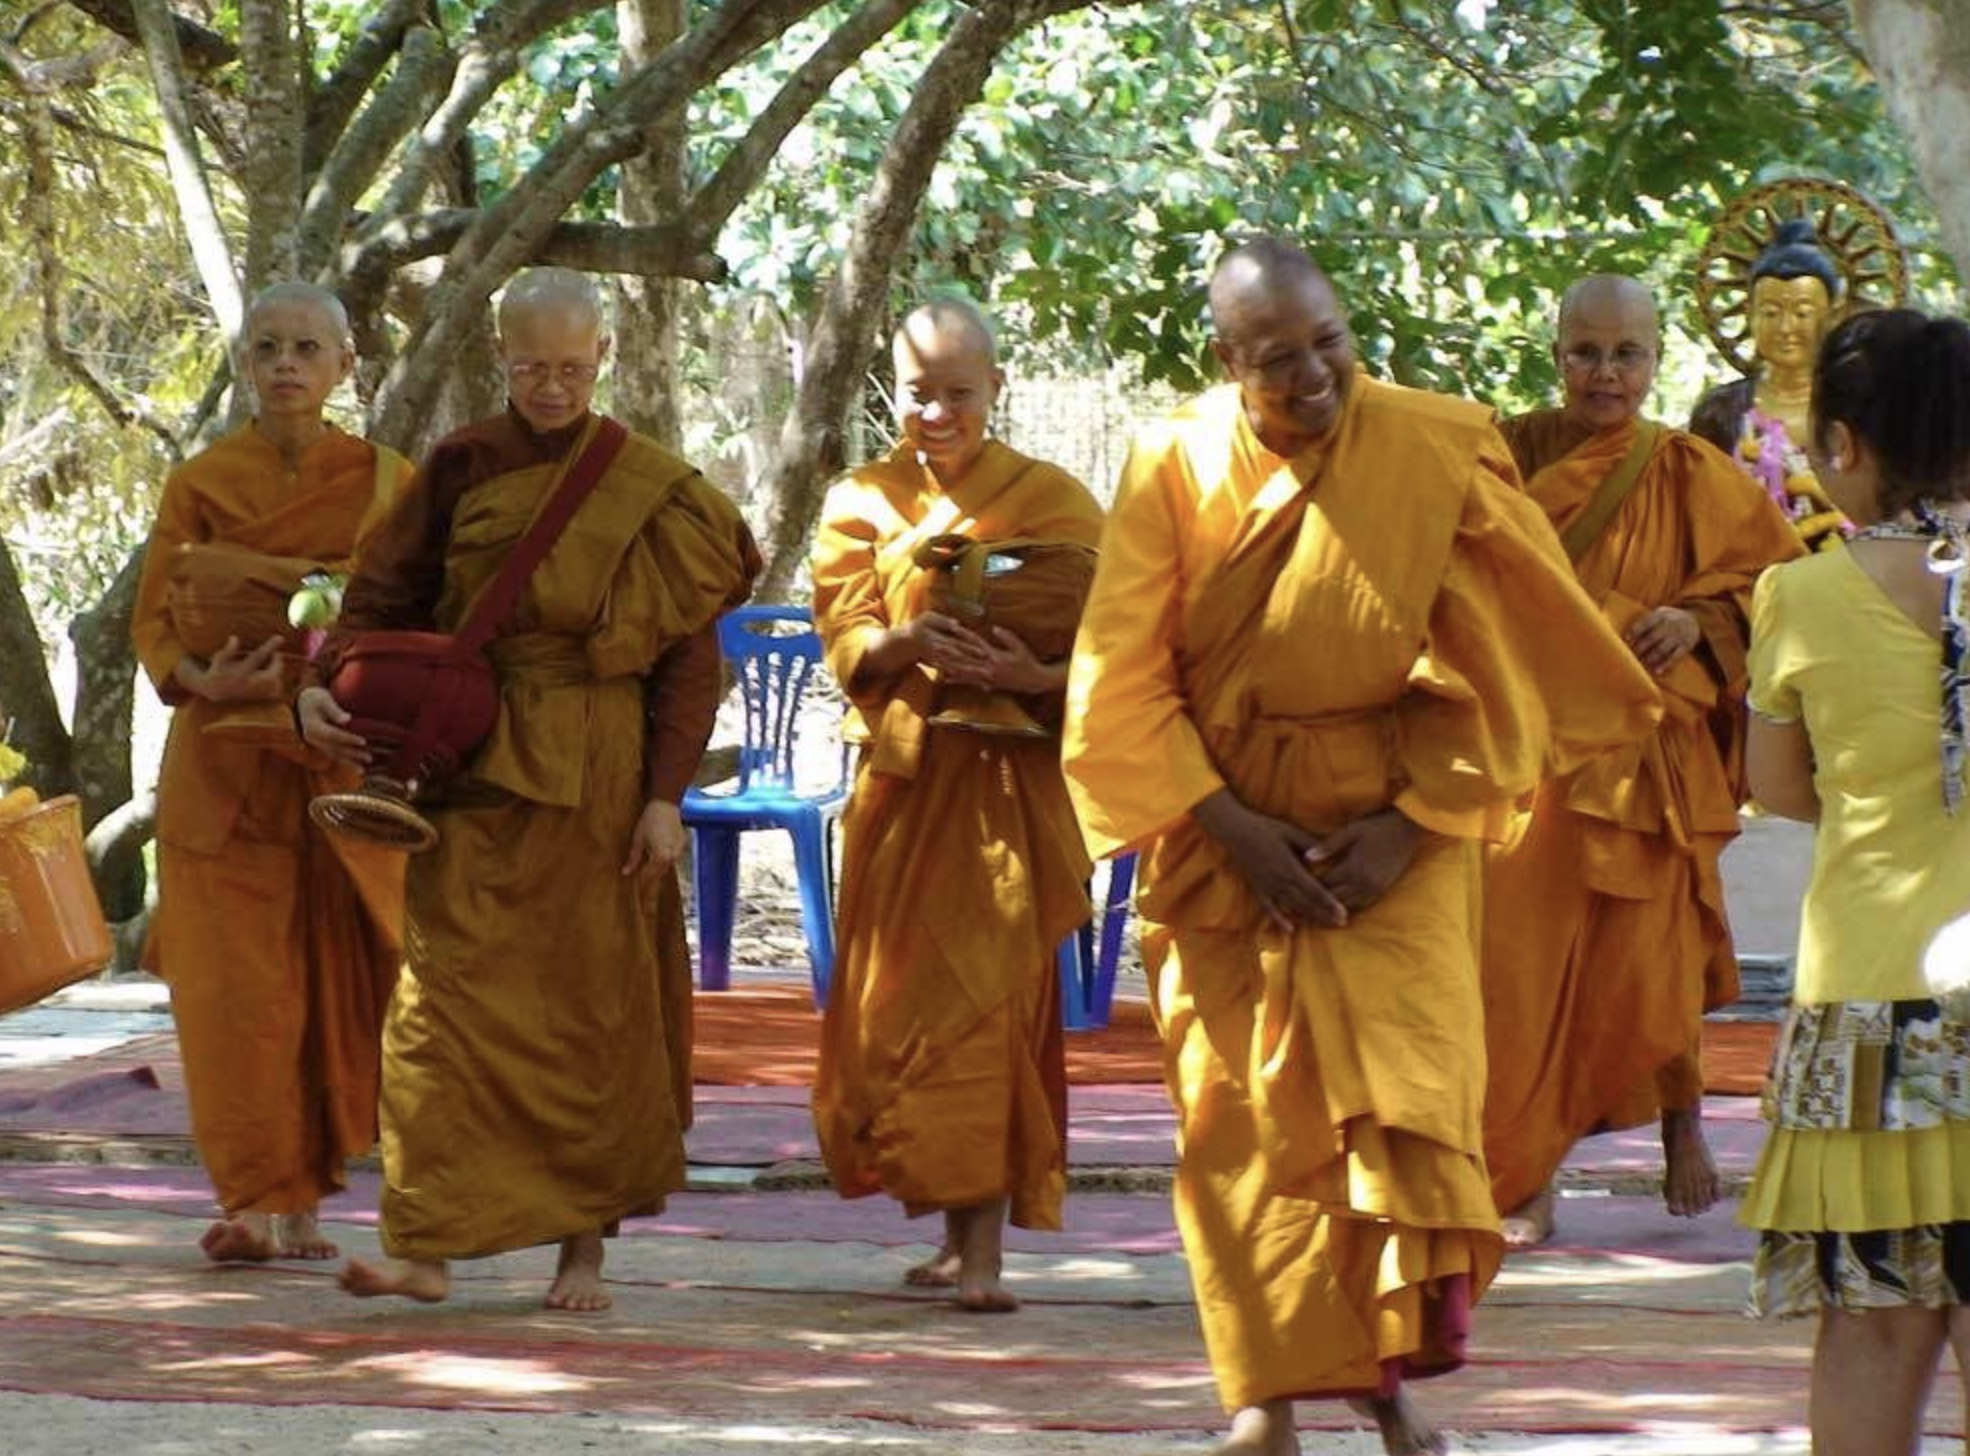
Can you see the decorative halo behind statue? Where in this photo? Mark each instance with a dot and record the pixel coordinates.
(1855, 231)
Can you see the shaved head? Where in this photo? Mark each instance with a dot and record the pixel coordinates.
(300, 295)
(947, 324)
(1281, 334)
(1252, 275)
(1608, 342)
(1604, 295)
(947, 380)
(560, 292)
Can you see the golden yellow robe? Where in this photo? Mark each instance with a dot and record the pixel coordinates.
(536, 1055)
(1605, 937)
(941, 1079)
(280, 945)
(1328, 636)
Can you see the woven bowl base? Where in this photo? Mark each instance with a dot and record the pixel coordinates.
(374, 817)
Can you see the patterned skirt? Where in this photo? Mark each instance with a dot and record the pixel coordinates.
(1862, 1195)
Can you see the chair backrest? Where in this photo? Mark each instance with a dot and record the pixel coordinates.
(775, 653)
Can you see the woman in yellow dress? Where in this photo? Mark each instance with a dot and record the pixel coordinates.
(1862, 1196)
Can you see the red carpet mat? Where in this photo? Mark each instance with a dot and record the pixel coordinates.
(766, 1036)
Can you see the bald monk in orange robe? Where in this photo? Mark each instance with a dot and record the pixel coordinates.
(941, 1080)
(536, 1075)
(1605, 938)
(280, 946)
(1329, 644)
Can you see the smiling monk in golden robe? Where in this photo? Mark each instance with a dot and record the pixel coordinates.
(942, 1080)
(1329, 644)
(1605, 938)
(280, 948)
(536, 1059)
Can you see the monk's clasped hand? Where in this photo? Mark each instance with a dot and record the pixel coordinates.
(1270, 856)
(1359, 864)
(958, 653)
(1009, 666)
(1663, 637)
(237, 674)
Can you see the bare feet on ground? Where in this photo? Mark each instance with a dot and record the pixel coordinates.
(1531, 1223)
(1406, 1431)
(577, 1283)
(241, 1238)
(426, 1281)
(300, 1237)
(1690, 1184)
(1263, 1430)
(981, 1259)
(940, 1270)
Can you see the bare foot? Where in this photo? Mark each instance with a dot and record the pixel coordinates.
(1263, 1430)
(426, 1281)
(1531, 1223)
(241, 1238)
(300, 1237)
(940, 1271)
(578, 1281)
(981, 1259)
(1689, 1179)
(1406, 1431)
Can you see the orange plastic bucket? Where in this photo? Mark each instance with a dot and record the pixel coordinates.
(52, 931)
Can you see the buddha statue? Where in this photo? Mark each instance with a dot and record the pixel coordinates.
(1763, 420)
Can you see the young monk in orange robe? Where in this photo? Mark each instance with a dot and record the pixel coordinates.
(1329, 644)
(941, 1080)
(280, 947)
(1605, 938)
(536, 1059)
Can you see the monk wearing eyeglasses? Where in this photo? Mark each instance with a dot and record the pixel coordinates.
(1605, 937)
(537, 1055)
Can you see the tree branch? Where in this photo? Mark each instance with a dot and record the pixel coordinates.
(511, 231)
(485, 63)
(341, 95)
(203, 50)
(356, 160)
(26, 690)
(38, 139)
(664, 250)
(713, 204)
(210, 250)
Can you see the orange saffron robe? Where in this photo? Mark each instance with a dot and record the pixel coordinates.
(280, 945)
(1605, 937)
(942, 1080)
(1328, 636)
(536, 1057)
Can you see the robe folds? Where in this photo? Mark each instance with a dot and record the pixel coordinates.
(280, 945)
(1328, 636)
(536, 1072)
(942, 1080)
(1605, 937)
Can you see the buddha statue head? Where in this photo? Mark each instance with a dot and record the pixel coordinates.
(1795, 289)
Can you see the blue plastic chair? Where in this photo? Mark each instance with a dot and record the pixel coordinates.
(1089, 957)
(775, 653)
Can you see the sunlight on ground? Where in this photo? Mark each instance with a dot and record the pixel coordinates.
(104, 1238)
(464, 1372)
(1535, 1273)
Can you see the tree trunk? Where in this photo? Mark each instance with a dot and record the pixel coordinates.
(270, 56)
(648, 381)
(105, 693)
(1920, 51)
(27, 694)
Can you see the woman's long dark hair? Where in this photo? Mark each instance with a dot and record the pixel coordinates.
(1900, 380)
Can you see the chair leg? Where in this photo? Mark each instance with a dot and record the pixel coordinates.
(715, 886)
(813, 865)
(1073, 985)
(1114, 920)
